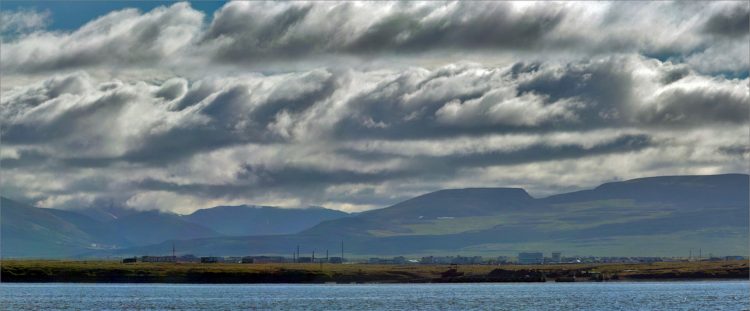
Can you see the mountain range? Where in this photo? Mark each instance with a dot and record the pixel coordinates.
(655, 216)
(27, 231)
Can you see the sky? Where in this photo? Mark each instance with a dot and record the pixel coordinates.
(358, 105)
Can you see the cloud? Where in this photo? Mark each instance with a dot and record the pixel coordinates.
(14, 23)
(293, 29)
(498, 108)
(279, 36)
(160, 121)
(120, 38)
(731, 21)
(357, 105)
(696, 100)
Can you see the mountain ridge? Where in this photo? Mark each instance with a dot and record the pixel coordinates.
(645, 216)
(32, 232)
(600, 221)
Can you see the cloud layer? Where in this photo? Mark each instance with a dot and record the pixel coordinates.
(357, 105)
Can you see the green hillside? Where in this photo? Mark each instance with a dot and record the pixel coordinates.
(660, 216)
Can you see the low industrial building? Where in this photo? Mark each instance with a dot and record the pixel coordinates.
(556, 257)
(263, 259)
(212, 259)
(158, 259)
(530, 258)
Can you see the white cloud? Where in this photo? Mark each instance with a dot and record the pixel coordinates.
(120, 38)
(277, 35)
(19, 22)
(357, 105)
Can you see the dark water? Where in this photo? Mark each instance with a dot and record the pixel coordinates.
(546, 296)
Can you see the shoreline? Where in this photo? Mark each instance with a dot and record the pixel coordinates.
(38, 271)
(423, 283)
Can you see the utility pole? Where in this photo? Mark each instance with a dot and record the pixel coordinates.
(313, 256)
(297, 252)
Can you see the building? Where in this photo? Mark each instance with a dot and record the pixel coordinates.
(336, 260)
(304, 259)
(556, 257)
(449, 260)
(188, 258)
(158, 259)
(211, 259)
(129, 260)
(263, 259)
(530, 258)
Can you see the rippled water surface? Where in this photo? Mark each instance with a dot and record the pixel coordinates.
(545, 296)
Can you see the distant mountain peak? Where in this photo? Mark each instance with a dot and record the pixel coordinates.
(241, 220)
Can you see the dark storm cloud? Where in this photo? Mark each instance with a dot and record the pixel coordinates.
(699, 105)
(733, 21)
(68, 122)
(532, 153)
(304, 176)
(199, 189)
(255, 179)
(254, 32)
(466, 26)
(607, 84)
(735, 150)
(25, 159)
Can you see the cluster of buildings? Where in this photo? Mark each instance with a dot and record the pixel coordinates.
(458, 260)
(523, 258)
(232, 259)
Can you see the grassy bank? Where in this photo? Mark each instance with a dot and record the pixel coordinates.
(116, 272)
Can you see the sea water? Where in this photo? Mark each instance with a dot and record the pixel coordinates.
(720, 295)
